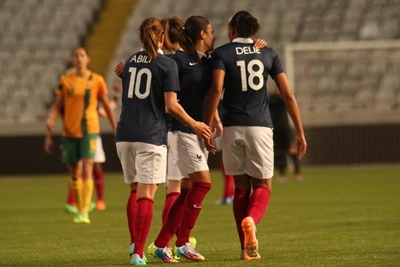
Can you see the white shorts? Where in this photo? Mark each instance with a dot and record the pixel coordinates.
(143, 163)
(173, 172)
(99, 155)
(248, 150)
(190, 151)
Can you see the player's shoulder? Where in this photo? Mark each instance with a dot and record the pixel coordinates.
(164, 60)
(96, 76)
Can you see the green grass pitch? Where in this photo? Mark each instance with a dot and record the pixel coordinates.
(336, 217)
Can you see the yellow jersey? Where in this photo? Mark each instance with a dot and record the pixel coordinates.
(80, 100)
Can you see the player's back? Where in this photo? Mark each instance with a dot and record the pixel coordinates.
(246, 71)
(144, 83)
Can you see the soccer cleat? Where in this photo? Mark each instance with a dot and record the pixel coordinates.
(100, 205)
(193, 241)
(81, 218)
(188, 252)
(282, 179)
(150, 249)
(250, 239)
(136, 260)
(70, 208)
(246, 257)
(163, 254)
(299, 177)
(225, 201)
(131, 248)
(92, 206)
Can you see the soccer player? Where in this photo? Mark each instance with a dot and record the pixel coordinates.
(197, 40)
(283, 138)
(150, 82)
(99, 159)
(78, 95)
(247, 144)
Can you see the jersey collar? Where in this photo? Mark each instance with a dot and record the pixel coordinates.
(158, 50)
(243, 40)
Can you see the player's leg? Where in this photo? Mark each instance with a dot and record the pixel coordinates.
(126, 156)
(99, 159)
(296, 163)
(260, 167)
(155, 160)
(193, 161)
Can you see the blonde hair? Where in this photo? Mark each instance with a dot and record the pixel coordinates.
(150, 32)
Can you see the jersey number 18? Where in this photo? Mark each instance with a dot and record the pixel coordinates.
(249, 77)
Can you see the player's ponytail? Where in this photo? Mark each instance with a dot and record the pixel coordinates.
(150, 32)
(244, 23)
(190, 35)
(172, 27)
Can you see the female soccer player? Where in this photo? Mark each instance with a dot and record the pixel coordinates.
(150, 82)
(247, 147)
(78, 95)
(194, 67)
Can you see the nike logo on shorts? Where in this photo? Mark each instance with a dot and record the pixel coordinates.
(197, 207)
(192, 64)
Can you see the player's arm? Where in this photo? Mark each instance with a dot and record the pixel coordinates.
(216, 126)
(293, 110)
(176, 110)
(108, 111)
(214, 95)
(51, 121)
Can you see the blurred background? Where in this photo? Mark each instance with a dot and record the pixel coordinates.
(342, 58)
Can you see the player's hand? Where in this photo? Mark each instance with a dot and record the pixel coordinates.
(301, 145)
(48, 145)
(119, 69)
(216, 129)
(210, 145)
(260, 43)
(202, 130)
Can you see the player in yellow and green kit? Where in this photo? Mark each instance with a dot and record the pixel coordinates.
(78, 96)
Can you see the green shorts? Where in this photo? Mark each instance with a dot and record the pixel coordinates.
(75, 149)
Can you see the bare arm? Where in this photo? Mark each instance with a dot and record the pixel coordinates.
(51, 121)
(293, 110)
(109, 111)
(214, 95)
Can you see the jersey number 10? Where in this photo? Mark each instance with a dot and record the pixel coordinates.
(249, 77)
(136, 81)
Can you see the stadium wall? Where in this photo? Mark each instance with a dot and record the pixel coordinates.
(327, 145)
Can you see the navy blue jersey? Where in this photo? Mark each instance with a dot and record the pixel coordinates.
(195, 81)
(246, 71)
(144, 82)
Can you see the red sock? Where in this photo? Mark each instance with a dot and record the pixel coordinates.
(191, 211)
(258, 203)
(240, 206)
(143, 220)
(70, 197)
(99, 182)
(229, 188)
(169, 201)
(131, 209)
(172, 222)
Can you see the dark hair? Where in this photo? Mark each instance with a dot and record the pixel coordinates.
(244, 23)
(150, 31)
(172, 27)
(190, 34)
